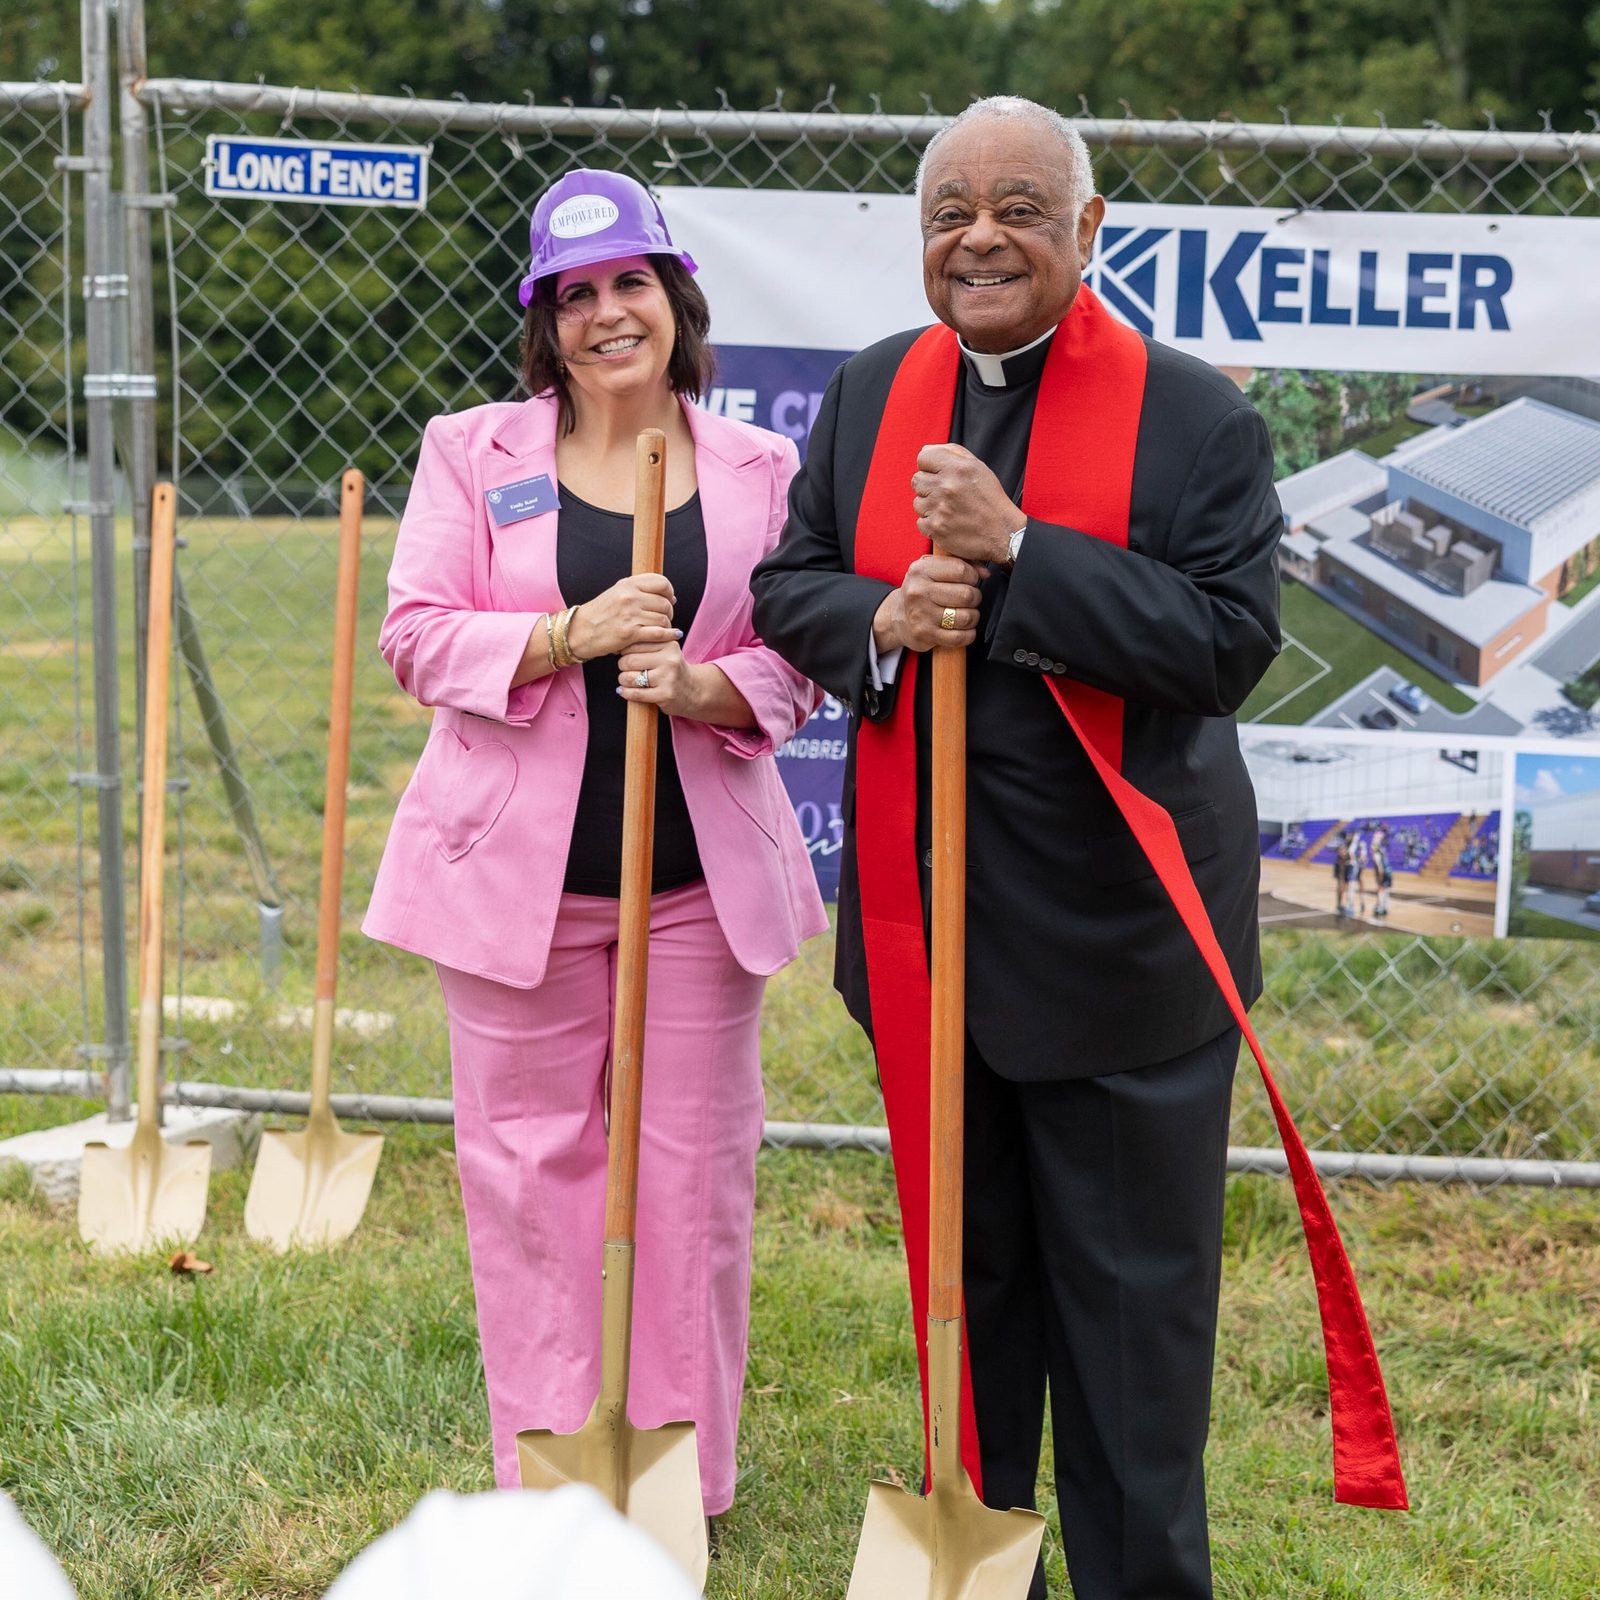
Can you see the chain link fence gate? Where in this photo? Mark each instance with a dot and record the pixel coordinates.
(58, 913)
(290, 341)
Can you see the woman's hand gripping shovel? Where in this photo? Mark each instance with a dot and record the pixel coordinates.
(651, 1475)
(946, 1545)
(149, 1192)
(311, 1188)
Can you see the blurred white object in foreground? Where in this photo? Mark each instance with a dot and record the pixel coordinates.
(27, 1570)
(514, 1545)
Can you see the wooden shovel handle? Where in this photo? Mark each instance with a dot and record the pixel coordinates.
(638, 840)
(948, 972)
(153, 814)
(352, 491)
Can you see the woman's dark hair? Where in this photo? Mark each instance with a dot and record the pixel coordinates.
(689, 371)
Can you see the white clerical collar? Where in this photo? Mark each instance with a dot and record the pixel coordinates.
(991, 369)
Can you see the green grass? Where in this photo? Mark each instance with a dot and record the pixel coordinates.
(31, 476)
(1582, 588)
(263, 595)
(1381, 443)
(1449, 1046)
(21, 1113)
(1584, 689)
(1349, 649)
(1525, 923)
(244, 1434)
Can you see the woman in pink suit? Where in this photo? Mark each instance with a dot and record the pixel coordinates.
(512, 612)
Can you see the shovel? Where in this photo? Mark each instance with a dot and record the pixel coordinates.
(947, 1545)
(149, 1192)
(651, 1475)
(311, 1188)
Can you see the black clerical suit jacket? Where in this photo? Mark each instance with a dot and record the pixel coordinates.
(1077, 963)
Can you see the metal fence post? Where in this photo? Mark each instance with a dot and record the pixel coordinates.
(100, 384)
(139, 461)
(139, 446)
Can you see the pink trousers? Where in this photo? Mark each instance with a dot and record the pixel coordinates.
(530, 1073)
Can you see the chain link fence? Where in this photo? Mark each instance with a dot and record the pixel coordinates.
(49, 927)
(291, 341)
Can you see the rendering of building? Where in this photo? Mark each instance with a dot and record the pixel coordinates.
(1324, 801)
(1581, 395)
(1564, 850)
(1454, 545)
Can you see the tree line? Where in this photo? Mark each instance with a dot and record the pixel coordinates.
(313, 337)
(1411, 61)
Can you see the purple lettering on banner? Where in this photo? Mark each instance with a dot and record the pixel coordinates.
(774, 388)
(812, 768)
(780, 390)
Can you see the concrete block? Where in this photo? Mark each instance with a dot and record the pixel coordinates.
(54, 1156)
(214, 1008)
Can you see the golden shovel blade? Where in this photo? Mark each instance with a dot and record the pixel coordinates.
(310, 1189)
(949, 1546)
(651, 1476)
(144, 1194)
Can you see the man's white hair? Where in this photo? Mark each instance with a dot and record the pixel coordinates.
(1012, 107)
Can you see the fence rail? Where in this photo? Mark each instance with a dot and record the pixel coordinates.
(836, 127)
(287, 343)
(1478, 1171)
(59, 96)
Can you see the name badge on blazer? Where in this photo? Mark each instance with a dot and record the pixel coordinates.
(516, 502)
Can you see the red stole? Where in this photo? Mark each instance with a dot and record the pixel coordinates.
(1079, 475)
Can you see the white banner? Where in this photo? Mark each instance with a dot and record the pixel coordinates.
(1358, 291)
(1464, 614)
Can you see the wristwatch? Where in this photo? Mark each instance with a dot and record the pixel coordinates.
(1014, 545)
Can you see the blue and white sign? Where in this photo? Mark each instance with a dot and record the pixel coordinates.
(811, 765)
(1238, 287)
(317, 172)
(516, 502)
(798, 282)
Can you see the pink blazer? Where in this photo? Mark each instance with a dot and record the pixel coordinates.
(472, 871)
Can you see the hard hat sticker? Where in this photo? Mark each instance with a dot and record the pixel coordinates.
(583, 214)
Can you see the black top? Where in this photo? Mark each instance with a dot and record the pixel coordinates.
(993, 422)
(594, 549)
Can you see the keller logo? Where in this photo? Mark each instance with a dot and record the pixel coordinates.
(1180, 283)
(1124, 275)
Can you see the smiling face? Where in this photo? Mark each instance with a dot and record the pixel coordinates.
(615, 326)
(1003, 252)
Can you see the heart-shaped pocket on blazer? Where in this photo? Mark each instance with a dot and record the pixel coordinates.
(463, 789)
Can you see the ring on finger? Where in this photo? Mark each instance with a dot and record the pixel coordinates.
(947, 617)
(641, 680)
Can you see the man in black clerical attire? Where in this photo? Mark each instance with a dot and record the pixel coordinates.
(1100, 1051)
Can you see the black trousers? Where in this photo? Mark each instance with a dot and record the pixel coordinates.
(1093, 1244)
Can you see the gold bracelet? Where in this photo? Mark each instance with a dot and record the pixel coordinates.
(550, 637)
(560, 651)
(566, 625)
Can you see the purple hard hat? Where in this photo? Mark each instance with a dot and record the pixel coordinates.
(591, 216)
